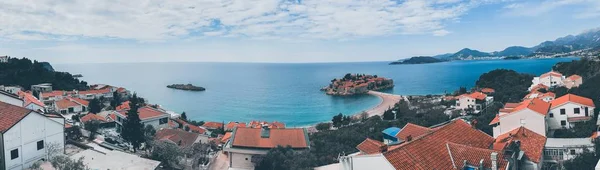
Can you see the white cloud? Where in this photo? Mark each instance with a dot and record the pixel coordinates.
(149, 20)
(440, 32)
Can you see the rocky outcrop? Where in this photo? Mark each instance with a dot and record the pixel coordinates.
(188, 87)
(352, 84)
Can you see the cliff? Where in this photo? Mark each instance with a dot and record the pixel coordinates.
(352, 84)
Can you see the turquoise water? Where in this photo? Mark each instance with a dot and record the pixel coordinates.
(284, 92)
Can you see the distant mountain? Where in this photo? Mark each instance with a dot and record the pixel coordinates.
(418, 60)
(514, 51)
(586, 40)
(582, 44)
(468, 53)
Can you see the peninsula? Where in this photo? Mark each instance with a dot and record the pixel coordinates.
(188, 87)
(418, 60)
(352, 84)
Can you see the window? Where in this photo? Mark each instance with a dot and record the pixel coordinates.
(163, 121)
(576, 110)
(14, 154)
(523, 121)
(562, 112)
(563, 123)
(572, 152)
(40, 145)
(551, 114)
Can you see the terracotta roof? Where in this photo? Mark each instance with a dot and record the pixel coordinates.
(572, 98)
(232, 125)
(226, 137)
(91, 116)
(173, 124)
(28, 98)
(430, 151)
(460, 153)
(256, 124)
(552, 73)
(531, 143)
(476, 95)
(193, 128)
(412, 130)
(212, 125)
(177, 136)
(121, 90)
(251, 137)
(511, 105)
(80, 101)
(574, 77)
(495, 120)
(488, 90)
(145, 112)
(11, 115)
(276, 125)
(53, 93)
(579, 119)
(99, 91)
(536, 105)
(124, 106)
(370, 146)
(65, 104)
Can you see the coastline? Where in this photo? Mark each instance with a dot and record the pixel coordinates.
(387, 101)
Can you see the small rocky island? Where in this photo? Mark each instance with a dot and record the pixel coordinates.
(418, 60)
(352, 84)
(188, 87)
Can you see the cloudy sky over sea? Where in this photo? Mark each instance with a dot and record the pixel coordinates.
(97, 31)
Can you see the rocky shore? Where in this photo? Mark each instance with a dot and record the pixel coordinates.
(353, 84)
(188, 87)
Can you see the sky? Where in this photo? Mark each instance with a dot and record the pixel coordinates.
(279, 31)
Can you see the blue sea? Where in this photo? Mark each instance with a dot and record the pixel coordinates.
(284, 92)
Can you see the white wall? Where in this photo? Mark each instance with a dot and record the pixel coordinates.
(24, 137)
(465, 102)
(11, 100)
(366, 162)
(554, 122)
(240, 160)
(531, 120)
(33, 106)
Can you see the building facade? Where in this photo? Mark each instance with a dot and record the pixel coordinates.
(569, 109)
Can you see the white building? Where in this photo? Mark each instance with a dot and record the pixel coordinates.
(11, 89)
(30, 102)
(547, 97)
(44, 87)
(3, 59)
(10, 98)
(475, 101)
(530, 114)
(549, 79)
(568, 109)
(157, 118)
(247, 144)
(27, 136)
(573, 81)
(104, 159)
(364, 162)
(562, 149)
(91, 94)
(69, 105)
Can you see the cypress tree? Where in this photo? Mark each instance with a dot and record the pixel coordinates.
(132, 128)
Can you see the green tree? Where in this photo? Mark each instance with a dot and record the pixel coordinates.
(167, 153)
(585, 160)
(337, 120)
(65, 163)
(92, 126)
(388, 115)
(183, 116)
(95, 106)
(24, 72)
(132, 128)
(116, 99)
(285, 158)
(323, 126)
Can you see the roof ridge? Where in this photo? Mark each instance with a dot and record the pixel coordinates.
(450, 153)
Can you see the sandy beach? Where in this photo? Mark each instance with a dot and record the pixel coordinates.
(387, 101)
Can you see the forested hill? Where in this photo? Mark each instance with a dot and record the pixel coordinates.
(24, 72)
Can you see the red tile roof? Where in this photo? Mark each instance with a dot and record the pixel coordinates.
(124, 106)
(511, 105)
(100, 91)
(232, 125)
(573, 99)
(476, 95)
(551, 73)
(277, 125)
(80, 101)
(91, 116)
(430, 151)
(11, 115)
(531, 143)
(574, 77)
(226, 137)
(579, 119)
(28, 98)
(251, 137)
(53, 93)
(212, 125)
(193, 128)
(412, 130)
(488, 90)
(495, 120)
(65, 104)
(460, 153)
(177, 136)
(370, 146)
(145, 112)
(536, 105)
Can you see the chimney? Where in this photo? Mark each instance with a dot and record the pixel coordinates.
(481, 164)
(494, 158)
(265, 132)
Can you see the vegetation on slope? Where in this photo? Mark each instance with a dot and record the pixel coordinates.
(24, 72)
